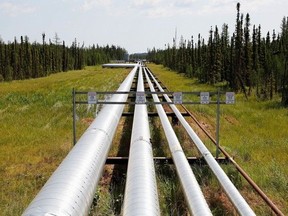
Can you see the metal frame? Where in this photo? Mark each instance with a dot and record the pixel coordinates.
(167, 160)
(151, 93)
(146, 93)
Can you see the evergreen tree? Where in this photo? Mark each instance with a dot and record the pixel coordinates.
(284, 55)
(247, 54)
(217, 66)
(2, 59)
(244, 60)
(25, 60)
(255, 61)
(28, 60)
(225, 53)
(14, 60)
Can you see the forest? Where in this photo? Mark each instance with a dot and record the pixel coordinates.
(246, 61)
(24, 60)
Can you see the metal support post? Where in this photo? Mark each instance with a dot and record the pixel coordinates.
(74, 117)
(217, 123)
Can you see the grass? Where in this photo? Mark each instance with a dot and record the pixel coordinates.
(254, 132)
(36, 129)
(36, 134)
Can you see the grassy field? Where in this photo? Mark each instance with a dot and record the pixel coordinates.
(36, 129)
(36, 134)
(254, 132)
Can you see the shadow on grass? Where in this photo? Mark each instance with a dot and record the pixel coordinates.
(274, 105)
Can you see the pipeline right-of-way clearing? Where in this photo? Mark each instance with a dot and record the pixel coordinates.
(71, 188)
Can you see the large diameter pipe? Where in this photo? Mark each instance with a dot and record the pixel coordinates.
(71, 188)
(141, 197)
(234, 195)
(195, 199)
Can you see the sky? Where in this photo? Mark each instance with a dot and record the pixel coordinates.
(136, 25)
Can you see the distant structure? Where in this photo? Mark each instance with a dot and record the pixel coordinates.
(136, 57)
(118, 65)
(127, 57)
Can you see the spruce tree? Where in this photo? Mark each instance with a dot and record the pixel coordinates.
(225, 53)
(217, 56)
(247, 55)
(284, 51)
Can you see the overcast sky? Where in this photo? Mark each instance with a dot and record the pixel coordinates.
(132, 24)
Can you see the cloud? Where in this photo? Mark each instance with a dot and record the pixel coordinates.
(228, 6)
(146, 8)
(145, 3)
(171, 8)
(13, 9)
(255, 5)
(91, 4)
(163, 8)
(168, 8)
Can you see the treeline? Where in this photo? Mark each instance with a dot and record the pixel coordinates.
(244, 61)
(23, 60)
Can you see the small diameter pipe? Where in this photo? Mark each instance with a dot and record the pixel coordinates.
(71, 188)
(195, 199)
(141, 197)
(234, 195)
(261, 193)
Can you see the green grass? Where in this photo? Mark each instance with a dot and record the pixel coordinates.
(36, 129)
(36, 134)
(254, 132)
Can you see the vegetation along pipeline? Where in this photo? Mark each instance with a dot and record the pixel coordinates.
(84, 165)
(72, 188)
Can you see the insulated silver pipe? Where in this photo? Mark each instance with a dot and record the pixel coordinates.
(196, 202)
(118, 65)
(238, 201)
(141, 197)
(71, 188)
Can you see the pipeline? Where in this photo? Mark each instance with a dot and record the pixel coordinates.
(195, 199)
(71, 188)
(141, 196)
(261, 193)
(123, 65)
(238, 201)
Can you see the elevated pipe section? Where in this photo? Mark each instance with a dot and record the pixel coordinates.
(141, 197)
(234, 195)
(196, 202)
(71, 188)
(119, 65)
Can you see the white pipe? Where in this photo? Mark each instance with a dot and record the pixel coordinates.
(71, 188)
(141, 197)
(119, 65)
(196, 202)
(238, 201)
